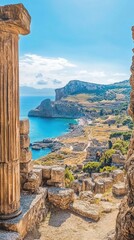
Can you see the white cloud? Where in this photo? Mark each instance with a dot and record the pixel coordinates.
(119, 74)
(36, 70)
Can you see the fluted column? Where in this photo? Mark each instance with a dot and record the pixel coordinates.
(14, 20)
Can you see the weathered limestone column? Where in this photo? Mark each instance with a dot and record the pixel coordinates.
(125, 218)
(14, 20)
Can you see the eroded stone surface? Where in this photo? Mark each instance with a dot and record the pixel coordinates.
(87, 196)
(125, 218)
(16, 17)
(60, 197)
(119, 189)
(14, 20)
(85, 209)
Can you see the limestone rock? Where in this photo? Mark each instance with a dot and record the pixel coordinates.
(26, 167)
(118, 159)
(57, 174)
(76, 185)
(25, 155)
(98, 196)
(32, 184)
(38, 172)
(46, 172)
(125, 222)
(99, 186)
(61, 197)
(88, 185)
(119, 189)
(86, 196)
(85, 209)
(24, 126)
(118, 175)
(107, 207)
(24, 141)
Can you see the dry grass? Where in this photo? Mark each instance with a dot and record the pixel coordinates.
(102, 132)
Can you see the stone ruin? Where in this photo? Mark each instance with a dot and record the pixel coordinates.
(125, 218)
(21, 210)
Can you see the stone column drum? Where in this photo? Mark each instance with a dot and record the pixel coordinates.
(14, 20)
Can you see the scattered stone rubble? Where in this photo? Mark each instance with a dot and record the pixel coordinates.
(101, 182)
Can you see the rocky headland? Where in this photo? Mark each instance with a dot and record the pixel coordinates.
(81, 99)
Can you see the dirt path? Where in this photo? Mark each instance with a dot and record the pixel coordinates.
(63, 225)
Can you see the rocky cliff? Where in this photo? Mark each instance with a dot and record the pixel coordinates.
(58, 109)
(77, 87)
(125, 218)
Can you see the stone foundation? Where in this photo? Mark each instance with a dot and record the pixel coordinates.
(34, 210)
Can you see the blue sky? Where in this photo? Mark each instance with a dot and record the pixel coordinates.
(88, 40)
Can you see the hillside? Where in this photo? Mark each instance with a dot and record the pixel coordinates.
(107, 92)
(80, 99)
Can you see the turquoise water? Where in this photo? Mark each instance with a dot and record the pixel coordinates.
(41, 128)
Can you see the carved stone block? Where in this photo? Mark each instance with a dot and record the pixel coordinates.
(24, 126)
(26, 167)
(24, 141)
(25, 155)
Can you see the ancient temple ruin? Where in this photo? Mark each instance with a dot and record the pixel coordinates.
(20, 212)
(14, 20)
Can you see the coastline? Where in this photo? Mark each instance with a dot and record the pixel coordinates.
(55, 144)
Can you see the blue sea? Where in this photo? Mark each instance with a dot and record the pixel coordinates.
(41, 128)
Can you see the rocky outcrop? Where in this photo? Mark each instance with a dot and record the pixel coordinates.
(58, 109)
(125, 218)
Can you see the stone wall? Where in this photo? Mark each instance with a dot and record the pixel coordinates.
(30, 181)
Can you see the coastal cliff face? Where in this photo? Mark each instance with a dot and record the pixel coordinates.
(58, 109)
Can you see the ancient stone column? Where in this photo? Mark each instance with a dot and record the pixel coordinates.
(14, 20)
(125, 218)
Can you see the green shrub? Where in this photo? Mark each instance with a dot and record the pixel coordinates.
(121, 145)
(116, 134)
(125, 135)
(68, 177)
(106, 158)
(127, 121)
(107, 169)
(92, 167)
